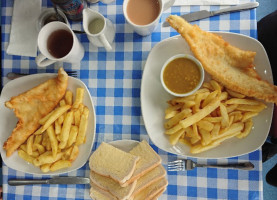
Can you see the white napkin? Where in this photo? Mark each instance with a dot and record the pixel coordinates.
(205, 2)
(24, 32)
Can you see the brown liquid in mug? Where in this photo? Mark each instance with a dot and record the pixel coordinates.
(60, 43)
(143, 12)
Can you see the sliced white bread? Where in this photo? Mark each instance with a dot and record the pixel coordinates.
(151, 191)
(113, 162)
(159, 194)
(150, 177)
(149, 159)
(113, 187)
(97, 193)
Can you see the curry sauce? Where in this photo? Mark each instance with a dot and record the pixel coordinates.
(181, 75)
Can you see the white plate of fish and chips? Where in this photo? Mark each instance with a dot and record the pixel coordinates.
(8, 122)
(154, 98)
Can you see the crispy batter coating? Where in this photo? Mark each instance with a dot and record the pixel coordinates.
(32, 105)
(227, 64)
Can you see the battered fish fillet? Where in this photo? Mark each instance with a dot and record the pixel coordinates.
(227, 64)
(32, 105)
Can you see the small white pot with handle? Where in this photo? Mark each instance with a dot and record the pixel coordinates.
(103, 37)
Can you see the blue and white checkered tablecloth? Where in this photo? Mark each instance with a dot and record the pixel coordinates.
(114, 81)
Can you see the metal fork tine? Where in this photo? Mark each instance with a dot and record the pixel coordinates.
(176, 161)
(72, 73)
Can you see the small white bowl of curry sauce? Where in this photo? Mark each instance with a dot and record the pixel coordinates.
(182, 75)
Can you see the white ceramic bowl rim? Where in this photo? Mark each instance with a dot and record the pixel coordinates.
(199, 65)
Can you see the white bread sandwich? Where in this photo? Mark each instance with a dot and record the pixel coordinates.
(112, 162)
(150, 177)
(159, 194)
(149, 159)
(152, 191)
(113, 187)
(97, 193)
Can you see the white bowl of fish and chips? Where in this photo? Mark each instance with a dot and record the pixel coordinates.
(9, 120)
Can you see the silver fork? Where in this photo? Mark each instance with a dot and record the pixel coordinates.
(14, 75)
(186, 164)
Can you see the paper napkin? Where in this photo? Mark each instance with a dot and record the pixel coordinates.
(24, 32)
(205, 2)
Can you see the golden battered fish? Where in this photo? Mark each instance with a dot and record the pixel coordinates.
(32, 105)
(227, 64)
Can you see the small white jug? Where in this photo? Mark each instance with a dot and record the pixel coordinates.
(105, 33)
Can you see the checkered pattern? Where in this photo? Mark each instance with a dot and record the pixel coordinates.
(114, 81)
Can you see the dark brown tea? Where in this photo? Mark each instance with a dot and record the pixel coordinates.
(60, 43)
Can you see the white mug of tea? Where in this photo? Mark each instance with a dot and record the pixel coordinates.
(58, 43)
(100, 30)
(144, 15)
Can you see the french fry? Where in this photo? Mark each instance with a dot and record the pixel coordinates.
(225, 116)
(68, 97)
(173, 139)
(248, 115)
(235, 94)
(213, 119)
(62, 103)
(67, 153)
(47, 158)
(79, 97)
(35, 154)
(215, 130)
(45, 168)
(77, 117)
(74, 153)
(251, 108)
(247, 128)
(55, 115)
(40, 148)
(234, 128)
(66, 129)
(242, 101)
(216, 86)
(58, 127)
(60, 164)
(173, 130)
(206, 137)
(198, 98)
(209, 98)
(30, 142)
(83, 126)
(189, 131)
(44, 119)
(206, 125)
(201, 114)
(72, 135)
(22, 154)
(23, 147)
(175, 120)
(61, 119)
(39, 131)
(53, 140)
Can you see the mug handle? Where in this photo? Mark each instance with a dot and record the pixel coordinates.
(105, 42)
(42, 61)
(168, 4)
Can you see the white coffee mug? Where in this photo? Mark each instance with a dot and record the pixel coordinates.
(103, 37)
(148, 28)
(44, 59)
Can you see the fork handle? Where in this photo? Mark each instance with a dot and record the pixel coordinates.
(13, 75)
(243, 166)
